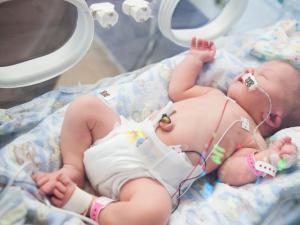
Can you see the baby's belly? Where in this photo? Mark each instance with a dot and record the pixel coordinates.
(190, 134)
(195, 124)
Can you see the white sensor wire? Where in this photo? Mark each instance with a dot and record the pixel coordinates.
(232, 124)
(223, 135)
(14, 177)
(266, 118)
(207, 157)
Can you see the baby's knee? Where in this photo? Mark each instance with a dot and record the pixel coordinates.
(85, 102)
(84, 106)
(83, 109)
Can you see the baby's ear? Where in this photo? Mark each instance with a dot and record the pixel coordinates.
(274, 120)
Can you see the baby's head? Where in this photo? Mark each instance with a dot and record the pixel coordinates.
(279, 80)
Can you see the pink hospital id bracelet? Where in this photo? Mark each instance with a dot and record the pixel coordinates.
(97, 205)
(251, 163)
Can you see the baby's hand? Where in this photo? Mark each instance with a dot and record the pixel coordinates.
(286, 151)
(202, 49)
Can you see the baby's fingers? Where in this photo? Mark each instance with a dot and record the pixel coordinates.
(194, 42)
(204, 44)
(287, 139)
(281, 142)
(288, 159)
(213, 48)
(290, 149)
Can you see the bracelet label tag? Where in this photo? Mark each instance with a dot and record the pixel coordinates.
(245, 124)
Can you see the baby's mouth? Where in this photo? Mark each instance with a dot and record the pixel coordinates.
(239, 78)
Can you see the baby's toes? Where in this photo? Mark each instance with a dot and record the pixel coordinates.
(64, 188)
(48, 187)
(61, 187)
(58, 194)
(41, 180)
(65, 180)
(62, 194)
(57, 201)
(37, 177)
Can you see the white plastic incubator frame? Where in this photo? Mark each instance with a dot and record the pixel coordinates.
(217, 27)
(51, 65)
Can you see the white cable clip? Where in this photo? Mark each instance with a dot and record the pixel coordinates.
(105, 14)
(168, 110)
(245, 123)
(140, 10)
(250, 81)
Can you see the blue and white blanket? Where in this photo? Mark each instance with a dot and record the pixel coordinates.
(29, 141)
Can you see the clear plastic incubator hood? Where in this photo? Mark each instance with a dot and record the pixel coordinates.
(40, 40)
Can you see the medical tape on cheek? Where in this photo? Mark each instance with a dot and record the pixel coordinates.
(250, 81)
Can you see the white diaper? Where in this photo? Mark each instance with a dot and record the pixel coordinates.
(132, 150)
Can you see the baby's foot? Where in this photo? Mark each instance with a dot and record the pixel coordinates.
(46, 181)
(68, 196)
(63, 190)
(284, 153)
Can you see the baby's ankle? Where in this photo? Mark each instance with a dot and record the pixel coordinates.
(75, 174)
(90, 207)
(71, 168)
(97, 205)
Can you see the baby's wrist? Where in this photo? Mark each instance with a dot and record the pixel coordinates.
(263, 156)
(259, 164)
(195, 58)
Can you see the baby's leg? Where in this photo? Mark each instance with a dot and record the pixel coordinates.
(143, 202)
(86, 120)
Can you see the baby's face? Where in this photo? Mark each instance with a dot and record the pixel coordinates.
(274, 77)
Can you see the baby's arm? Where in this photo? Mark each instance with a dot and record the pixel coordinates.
(237, 171)
(183, 78)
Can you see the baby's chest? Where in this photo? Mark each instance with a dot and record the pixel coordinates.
(236, 131)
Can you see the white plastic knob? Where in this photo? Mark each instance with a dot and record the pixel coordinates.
(140, 10)
(105, 14)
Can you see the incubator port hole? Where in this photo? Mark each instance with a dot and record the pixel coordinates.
(32, 28)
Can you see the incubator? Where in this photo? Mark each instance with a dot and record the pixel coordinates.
(40, 40)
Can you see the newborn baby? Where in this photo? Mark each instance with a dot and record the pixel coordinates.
(138, 169)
